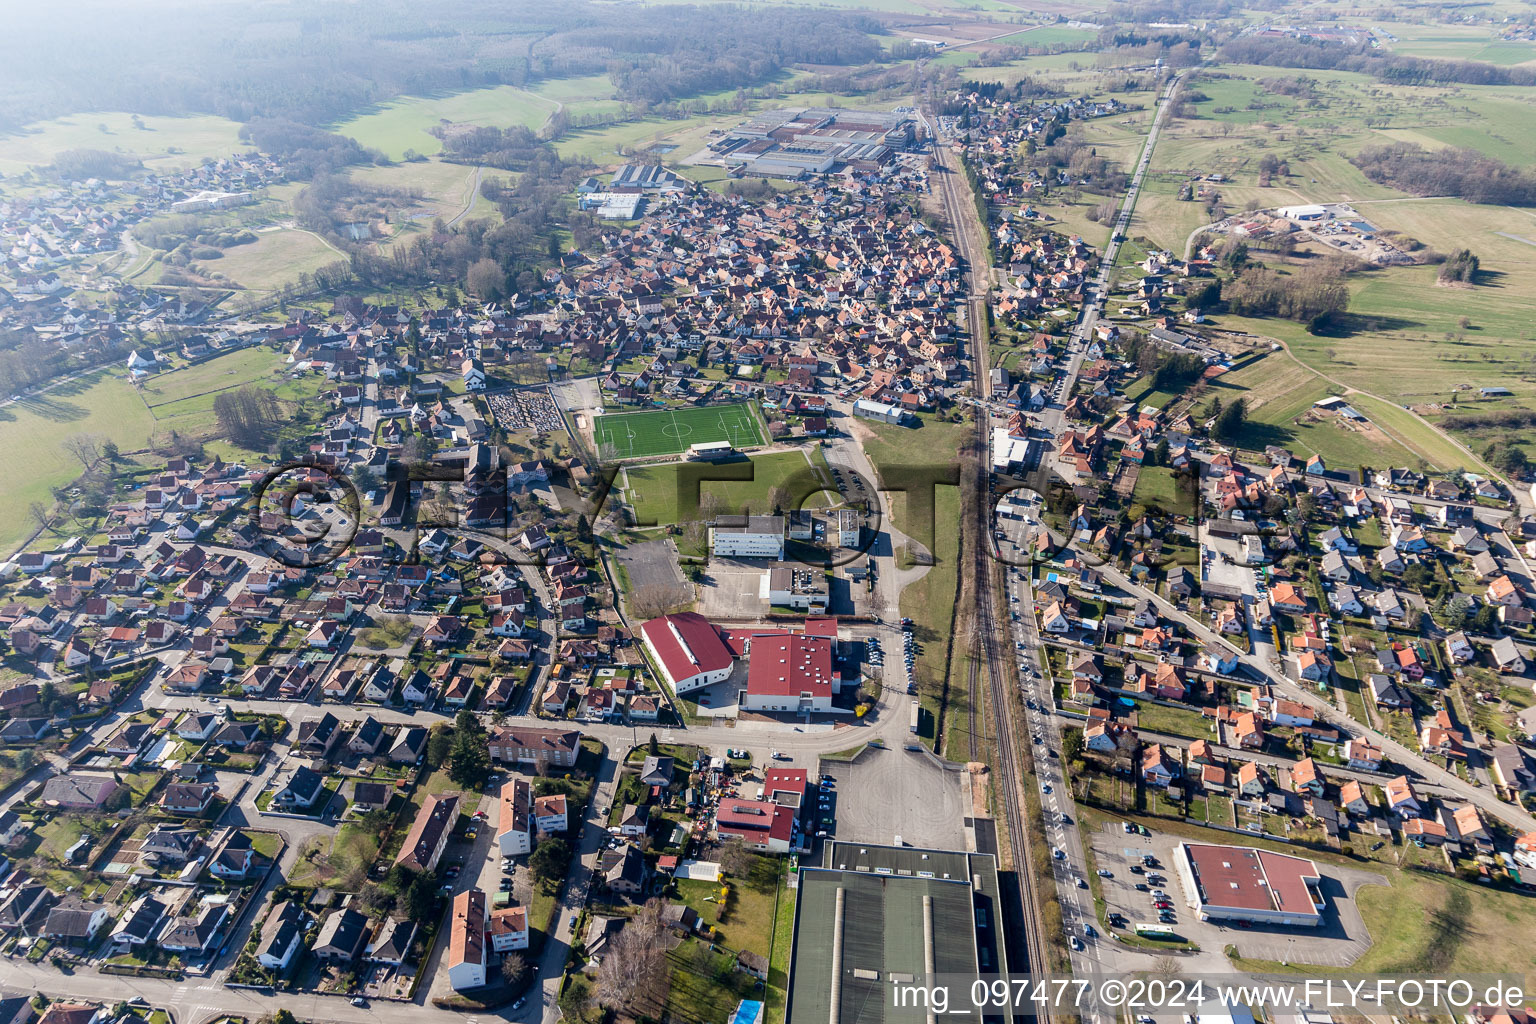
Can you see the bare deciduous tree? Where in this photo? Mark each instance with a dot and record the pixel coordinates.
(84, 447)
(650, 600)
(514, 967)
(632, 977)
(735, 858)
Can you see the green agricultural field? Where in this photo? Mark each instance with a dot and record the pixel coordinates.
(167, 393)
(277, 257)
(1280, 396)
(399, 125)
(635, 435)
(1452, 42)
(32, 456)
(656, 492)
(1048, 35)
(163, 144)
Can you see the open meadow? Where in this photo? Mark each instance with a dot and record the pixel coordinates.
(1406, 340)
(33, 460)
(163, 143)
(403, 124)
(277, 257)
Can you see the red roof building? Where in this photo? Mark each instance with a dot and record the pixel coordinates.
(791, 672)
(688, 650)
(1239, 883)
(760, 824)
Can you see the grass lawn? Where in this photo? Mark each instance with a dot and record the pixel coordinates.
(169, 390)
(1174, 721)
(266, 844)
(1157, 487)
(924, 514)
(403, 124)
(631, 435)
(778, 960)
(32, 456)
(705, 986)
(56, 837)
(658, 496)
(748, 916)
(163, 144)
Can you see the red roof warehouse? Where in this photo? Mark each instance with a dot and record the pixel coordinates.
(791, 672)
(688, 649)
(1239, 883)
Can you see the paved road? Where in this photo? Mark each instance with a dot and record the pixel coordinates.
(1328, 712)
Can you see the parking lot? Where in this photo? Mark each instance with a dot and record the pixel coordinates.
(1340, 940)
(895, 792)
(652, 567)
(731, 590)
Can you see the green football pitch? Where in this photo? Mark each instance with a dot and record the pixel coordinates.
(636, 435)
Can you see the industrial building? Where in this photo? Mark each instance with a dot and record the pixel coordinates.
(747, 537)
(646, 178)
(1240, 883)
(688, 649)
(798, 587)
(612, 205)
(872, 914)
(879, 411)
(814, 140)
(1009, 453)
(791, 672)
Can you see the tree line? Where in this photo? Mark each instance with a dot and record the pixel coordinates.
(1327, 55)
(1311, 295)
(247, 415)
(1465, 173)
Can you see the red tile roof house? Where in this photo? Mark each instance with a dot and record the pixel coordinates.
(760, 824)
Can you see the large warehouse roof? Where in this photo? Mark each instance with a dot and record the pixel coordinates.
(687, 644)
(1242, 878)
(877, 912)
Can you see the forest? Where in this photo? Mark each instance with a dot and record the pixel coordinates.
(1464, 173)
(1320, 55)
(1312, 296)
(315, 64)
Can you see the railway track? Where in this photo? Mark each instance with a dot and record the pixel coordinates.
(988, 669)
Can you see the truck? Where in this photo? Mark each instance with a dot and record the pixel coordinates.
(917, 714)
